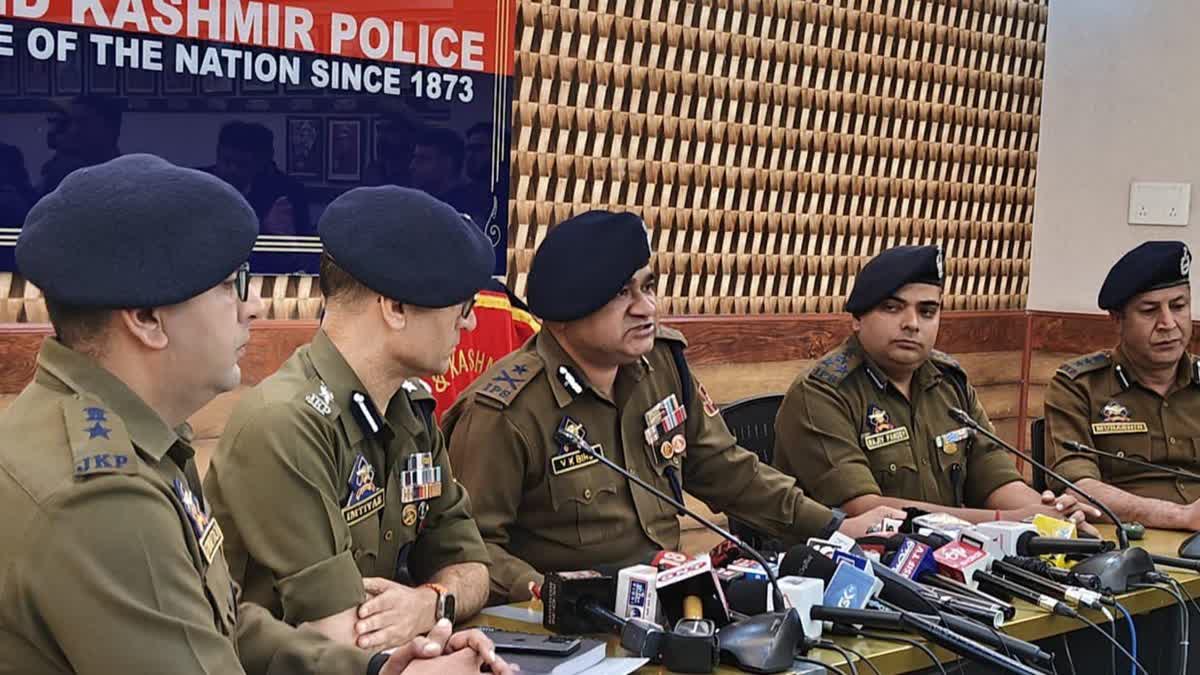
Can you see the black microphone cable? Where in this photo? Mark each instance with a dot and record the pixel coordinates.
(908, 641)
(1119, 646)
(845, 652)
(805, 659)
(1184, 619)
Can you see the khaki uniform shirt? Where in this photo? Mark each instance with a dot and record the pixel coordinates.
(1094, 400)
(109, 561)
(544, 508)
(312, 501)
(845, 431)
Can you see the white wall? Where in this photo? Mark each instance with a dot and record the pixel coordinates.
(1121, 102)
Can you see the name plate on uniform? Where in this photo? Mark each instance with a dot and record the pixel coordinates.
(361, 510)
(570, 461)
(211, 541)
(885, 438)
(1103, 428)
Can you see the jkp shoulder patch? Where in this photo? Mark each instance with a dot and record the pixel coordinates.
(321, 400)
(1085, 364)
(365, 497)
(99, 442)
(205, 527)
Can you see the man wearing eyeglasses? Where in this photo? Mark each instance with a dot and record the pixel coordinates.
(331, 480)
(110, 561)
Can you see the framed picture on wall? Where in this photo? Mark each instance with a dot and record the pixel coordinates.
(103, 79)
(211, 84)
(35, 76)
(68, 75)
(173, 81)
(345, 144)
(139, 82)
(10, 78)
(305, 147)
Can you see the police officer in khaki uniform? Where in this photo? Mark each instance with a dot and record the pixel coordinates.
(603, 368)
(110, 561)
(869, 423)
(341, 445)
(1140, 400)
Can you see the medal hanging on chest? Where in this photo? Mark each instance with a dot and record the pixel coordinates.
(421, 479)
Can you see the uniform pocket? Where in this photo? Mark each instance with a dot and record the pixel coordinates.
(893, 466)
(584, 498)
(364, 544)
(1137, 446)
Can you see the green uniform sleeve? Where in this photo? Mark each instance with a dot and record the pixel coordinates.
(279, 486)
(492, 457)
(450, 536)
(271, 647)
(731, 479)
(119, 590)
(816, 440)
(989, 466)
(1067, 419)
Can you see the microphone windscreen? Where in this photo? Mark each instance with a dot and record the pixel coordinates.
(806, 561)
(748, 596)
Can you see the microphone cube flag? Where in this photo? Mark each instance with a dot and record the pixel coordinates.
(802, 593)
(1001, 536)
(695, 577)
(959, 560)
(1053, 527)
(637, 594)
(913, 559)
(850, 588)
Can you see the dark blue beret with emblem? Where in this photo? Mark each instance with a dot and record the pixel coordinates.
(1150, 266)
(406, 245)
(891, 270)
(584, 261)
(136, 231)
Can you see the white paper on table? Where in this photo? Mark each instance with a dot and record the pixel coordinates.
(523, 614)
(616, 666)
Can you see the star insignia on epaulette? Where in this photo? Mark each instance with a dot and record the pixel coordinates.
(98, 430)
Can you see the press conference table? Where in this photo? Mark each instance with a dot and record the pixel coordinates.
(1031, 623)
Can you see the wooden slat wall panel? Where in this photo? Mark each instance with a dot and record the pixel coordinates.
(773, 146)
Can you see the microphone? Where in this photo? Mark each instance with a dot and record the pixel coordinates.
(578, 602)
(961, 416)
(1079, 596)
(572, 438)
(906, 594)
(683, 581)
(1116, 569)
(637, 593)
(1029, 544)
(930, 629)
(1075, 446)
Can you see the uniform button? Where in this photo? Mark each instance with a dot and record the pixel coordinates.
(1166, 404)
(387, 536)
(1172, 440)
(358, 554)
(924, 461)
(587, 493)
(892, 468)
(1120, 453)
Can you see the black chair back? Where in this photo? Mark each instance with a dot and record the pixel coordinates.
(752, 421)
(1037, 448)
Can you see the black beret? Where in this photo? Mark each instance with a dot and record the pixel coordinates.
(1153, 265)
(405, 245)
(891, 270)
(584, 261)
(136, 231)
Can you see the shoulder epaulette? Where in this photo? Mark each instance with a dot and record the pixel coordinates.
(503, 382)
(836, 366)
(664, 333)
(1085, 364)
(943, 361)
(99, 440)
(317, 395)
(417, 389)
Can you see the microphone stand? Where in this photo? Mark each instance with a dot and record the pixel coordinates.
(574, 440)
(1080, 447)
(1116, 569)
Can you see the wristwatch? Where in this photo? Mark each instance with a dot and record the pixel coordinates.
(444, 609)
(835, 524)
